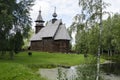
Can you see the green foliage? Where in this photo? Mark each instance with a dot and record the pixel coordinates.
(27, 40)
(114, 58)
(14, 71)
(62, 74)
(18, 40)
(86, 71)
(93, 40)
(111, 34)
(87, 30)
(86, 26)
(15, 23)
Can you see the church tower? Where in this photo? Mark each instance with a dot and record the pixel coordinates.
(39, 23)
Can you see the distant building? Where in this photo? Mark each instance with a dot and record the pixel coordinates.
(53, 37)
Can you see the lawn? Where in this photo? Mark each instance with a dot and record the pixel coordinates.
(44, 59)
(114, 58)
(23, 66)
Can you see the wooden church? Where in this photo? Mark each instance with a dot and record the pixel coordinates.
(53, 37)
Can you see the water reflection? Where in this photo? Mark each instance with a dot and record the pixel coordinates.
(111, 71)
(52, 74)
(111, 68)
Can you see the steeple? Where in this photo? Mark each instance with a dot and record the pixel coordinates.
(54, 15)
(39, 18)
(39, 22)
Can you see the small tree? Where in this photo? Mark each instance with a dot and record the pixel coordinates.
(18, 39)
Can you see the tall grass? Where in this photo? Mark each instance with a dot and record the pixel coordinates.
(14, 71)
(87, 71)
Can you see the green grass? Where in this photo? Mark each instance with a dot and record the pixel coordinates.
(114, 58)
(48, 60)
(23, 67)
(14, 71)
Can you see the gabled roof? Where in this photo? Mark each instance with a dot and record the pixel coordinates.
(62, 33)
(50, 29)
(56, 30)
(36, 37)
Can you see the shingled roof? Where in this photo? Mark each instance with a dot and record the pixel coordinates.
(56, 30)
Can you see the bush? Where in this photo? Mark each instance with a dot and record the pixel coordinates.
(30, 53)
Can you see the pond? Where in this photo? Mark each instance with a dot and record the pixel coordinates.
(52, 74)
(111, 68)
(111, 71)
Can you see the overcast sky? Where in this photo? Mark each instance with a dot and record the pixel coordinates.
(65, 9)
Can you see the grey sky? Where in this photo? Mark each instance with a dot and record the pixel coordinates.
(66, 9)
